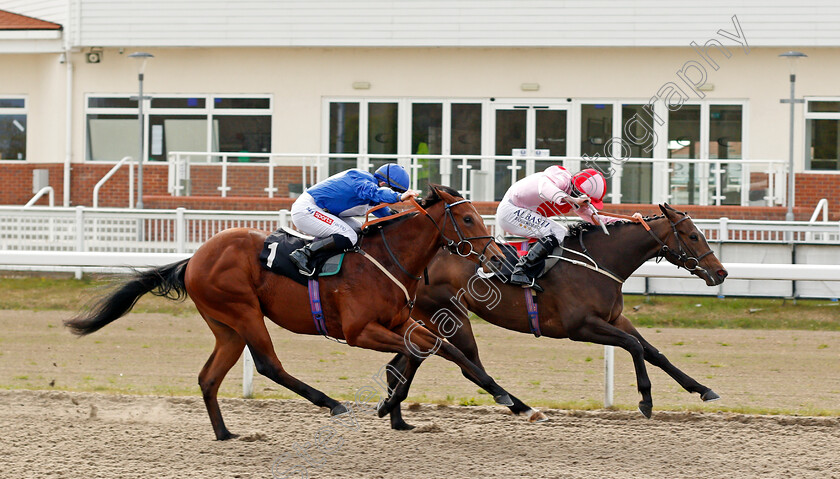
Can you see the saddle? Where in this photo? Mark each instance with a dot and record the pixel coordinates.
(274, 256)
(512, 255)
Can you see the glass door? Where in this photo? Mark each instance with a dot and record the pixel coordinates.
(529, 138)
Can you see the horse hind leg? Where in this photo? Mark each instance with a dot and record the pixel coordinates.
(256, 337)
(653, 356)
(229, 346)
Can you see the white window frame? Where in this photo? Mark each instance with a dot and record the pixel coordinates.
(208, 111)
(17, 111)
(806, 166)
(705, 169)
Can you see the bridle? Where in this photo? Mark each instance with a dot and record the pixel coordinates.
(463, 241)
(683, 257)
(462, 246)
(684, 254)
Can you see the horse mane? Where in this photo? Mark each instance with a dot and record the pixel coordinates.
(433, 196)
(583, 227)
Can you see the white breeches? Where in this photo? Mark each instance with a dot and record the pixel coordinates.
(524, 222)
(313, 220)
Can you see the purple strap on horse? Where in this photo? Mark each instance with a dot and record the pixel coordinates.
(315, 307)
(533, 312)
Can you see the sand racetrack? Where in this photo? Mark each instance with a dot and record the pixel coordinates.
(62, 433)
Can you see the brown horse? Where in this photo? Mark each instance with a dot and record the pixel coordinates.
(578, 303)
(363, 305)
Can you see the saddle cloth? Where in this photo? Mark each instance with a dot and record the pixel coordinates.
(512, 255)
(274, 256)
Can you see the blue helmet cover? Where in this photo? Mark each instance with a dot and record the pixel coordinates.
(394, 176)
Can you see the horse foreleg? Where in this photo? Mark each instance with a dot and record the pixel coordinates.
(653, 356)
(596, 330)
(228, 349)
(464, 339)
(400, 363)
(423, 344)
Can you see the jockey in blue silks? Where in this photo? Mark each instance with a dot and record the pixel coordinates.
(325, 210)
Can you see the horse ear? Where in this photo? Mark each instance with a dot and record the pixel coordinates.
(665, 208)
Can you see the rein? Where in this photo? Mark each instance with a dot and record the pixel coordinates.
(454, 246)
(684, 255)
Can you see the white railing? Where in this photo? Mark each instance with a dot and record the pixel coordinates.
(183, 231)
(108, 176)
(822, 205)
(181, 164)
(681, 181)
(39, 194)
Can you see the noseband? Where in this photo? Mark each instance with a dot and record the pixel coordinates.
(684, 255)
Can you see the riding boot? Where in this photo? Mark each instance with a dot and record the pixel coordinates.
(302, 257)
(538, 252)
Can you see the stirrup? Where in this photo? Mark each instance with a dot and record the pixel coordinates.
(532, 284)
(300, 266)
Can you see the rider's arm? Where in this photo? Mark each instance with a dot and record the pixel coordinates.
(586, 215)
(368, 190)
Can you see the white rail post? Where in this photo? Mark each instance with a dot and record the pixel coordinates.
(180, 230)
(247, 373)
(609, 379)
(80, 235)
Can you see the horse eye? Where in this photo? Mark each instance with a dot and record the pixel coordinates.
(468, 219)
(693, 236)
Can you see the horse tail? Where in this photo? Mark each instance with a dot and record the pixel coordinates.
(166, 281)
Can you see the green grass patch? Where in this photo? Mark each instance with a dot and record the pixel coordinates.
(57, 293)
(731, 313)
(22, 292)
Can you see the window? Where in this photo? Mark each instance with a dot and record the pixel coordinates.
(12, 129)
(822, 134)
(199, 123)
(637, 136)
(707, 132)
(344, 134)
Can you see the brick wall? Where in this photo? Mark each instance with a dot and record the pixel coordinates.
(810, 188)
(248, 183)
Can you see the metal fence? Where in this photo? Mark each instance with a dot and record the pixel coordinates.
(112, 230)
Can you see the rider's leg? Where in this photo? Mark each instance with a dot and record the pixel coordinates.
(334, 233)
(302, 257)
(552, 235)
(538, 252)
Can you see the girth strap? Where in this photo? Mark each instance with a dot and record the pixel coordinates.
(315, 307)
(533, 311)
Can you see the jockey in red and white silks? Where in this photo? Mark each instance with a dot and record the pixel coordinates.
(528, 204)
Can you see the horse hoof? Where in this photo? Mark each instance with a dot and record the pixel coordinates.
(338, 410)
(227, 435)
(401, 426)
(504, 400)
(534, 416)
(384, 410)
(709, 396)
(646, 409)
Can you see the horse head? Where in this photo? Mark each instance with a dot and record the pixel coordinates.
(687, 247)
(462, 229)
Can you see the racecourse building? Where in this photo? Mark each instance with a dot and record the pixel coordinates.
(247, 103)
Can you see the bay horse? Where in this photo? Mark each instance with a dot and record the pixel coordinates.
(365, 305)
(578, 303)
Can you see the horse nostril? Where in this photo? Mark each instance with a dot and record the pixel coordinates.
(722, 273)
